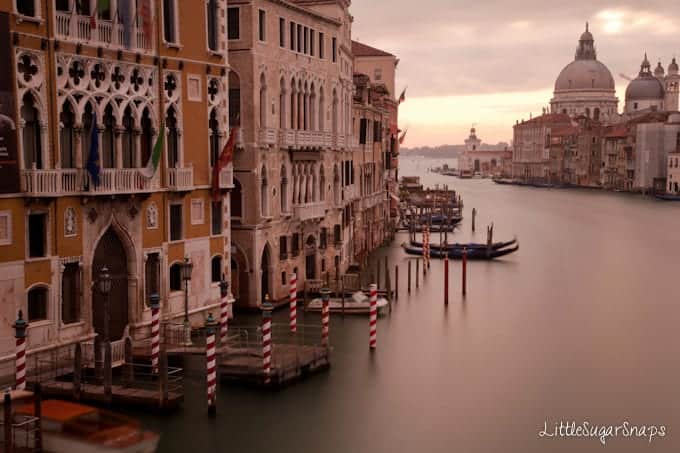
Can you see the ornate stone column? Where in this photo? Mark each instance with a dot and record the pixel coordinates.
(118, 148)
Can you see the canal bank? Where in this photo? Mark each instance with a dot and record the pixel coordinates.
(580, 324)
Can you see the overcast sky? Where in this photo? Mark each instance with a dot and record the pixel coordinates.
(493, 62)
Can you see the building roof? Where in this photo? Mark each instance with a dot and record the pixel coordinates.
(548, 119)
(646, 86)
(363, 50)
(585, 73)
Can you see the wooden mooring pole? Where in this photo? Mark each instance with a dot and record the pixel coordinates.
(396, 282)
(464, 271)
(446, 279)
(77, 370)
(417, 272)
(7, 423)
(408, 279)
(37, 412)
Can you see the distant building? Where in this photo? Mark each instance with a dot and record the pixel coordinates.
(531, 146)
(656, 136)
(475, 159)
(673, 185)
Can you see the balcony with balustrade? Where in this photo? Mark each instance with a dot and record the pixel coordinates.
(180, 179)
(267, 136)
(370, 201)
(111, 34)
(310, 211)
(72, 181)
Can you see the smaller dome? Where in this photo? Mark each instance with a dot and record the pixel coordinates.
(658, 71)
(673, 67)
(646, 86)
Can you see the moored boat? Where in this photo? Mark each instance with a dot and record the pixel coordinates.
(75, 428)
(457, 254)
(667, 196)
(470, 246)
(356, 304)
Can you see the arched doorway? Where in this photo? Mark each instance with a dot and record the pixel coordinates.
(110, 253)
(240, 279)
(310, 258)
(265, 272)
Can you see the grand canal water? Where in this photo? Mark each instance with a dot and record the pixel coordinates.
(582, 324)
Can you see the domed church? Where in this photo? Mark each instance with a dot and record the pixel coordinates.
(585, 86)
(655, 90)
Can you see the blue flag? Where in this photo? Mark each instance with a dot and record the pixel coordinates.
(93, 166)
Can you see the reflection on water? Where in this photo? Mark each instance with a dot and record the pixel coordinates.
(580, 325)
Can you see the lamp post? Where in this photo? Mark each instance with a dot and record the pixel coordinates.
(105, 282)
(187, 267)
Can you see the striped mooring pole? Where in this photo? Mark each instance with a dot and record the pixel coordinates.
(211, 363)
(325, 315)
(155, 301)
(20, 358)
(267, 309)
(224, 310)
(293, 302)
(373, 317)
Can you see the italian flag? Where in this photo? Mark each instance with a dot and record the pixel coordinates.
(152, 164)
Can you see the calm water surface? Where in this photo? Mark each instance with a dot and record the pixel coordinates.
(583, 323)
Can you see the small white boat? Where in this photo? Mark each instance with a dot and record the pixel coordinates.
(358, 304)
(75, 428)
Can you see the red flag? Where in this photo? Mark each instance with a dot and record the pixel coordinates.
(145, 12)
(403, 136)
(402, 98)
(93, 19)
(225, 158)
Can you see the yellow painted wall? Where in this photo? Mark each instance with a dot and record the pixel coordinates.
(203, 229)
(175, 252)
(217, 246)
(154, 237)
(37, 272)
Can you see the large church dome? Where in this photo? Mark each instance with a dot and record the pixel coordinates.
(585, 75)
(585, 72)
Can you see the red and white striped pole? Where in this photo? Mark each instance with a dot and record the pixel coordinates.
(20, 356)
(293, 302)
(325, 315)
(373, 317)
(155, 330)
(211, 363)
(224, 310)
(267, 309)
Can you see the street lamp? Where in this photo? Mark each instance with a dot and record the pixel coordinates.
(186, 267)
(105, 283)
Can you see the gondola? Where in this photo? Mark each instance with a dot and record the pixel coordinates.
(667, 196)
(470, 246)
(457, 254)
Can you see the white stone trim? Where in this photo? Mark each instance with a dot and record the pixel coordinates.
(197, 211)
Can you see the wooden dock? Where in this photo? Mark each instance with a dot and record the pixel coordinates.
(120, 395)
(290, 363)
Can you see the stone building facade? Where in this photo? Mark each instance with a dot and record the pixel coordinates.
(77, 73)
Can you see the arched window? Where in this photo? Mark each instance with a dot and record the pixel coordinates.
(108, 144)
(322, 110)
(67, 136)
(263, 101)
(305, 108)
(236, 201)
(322, 184)
(335, 112)
(336, 185)
(284, 189)
(264, 193)
(146, 138)
(128, 139)
(86, 136)
(300, 108)
(37, 304)
(282, 105)
(176, 277)
(31, 133)
(312, 108)
(173, 138)
(234, 99)
(216, 269)
(596, 114)
(293, 111)
(214, 131)
(152, 278)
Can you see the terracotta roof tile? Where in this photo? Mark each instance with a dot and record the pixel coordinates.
(363, 50)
